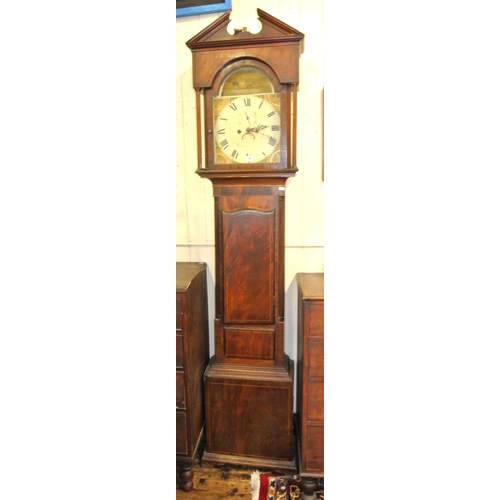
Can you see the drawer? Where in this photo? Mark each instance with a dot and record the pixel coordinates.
(315, 448)
(180, 391)
(179, 354)
(178, 315)
(181, 433)
(315, 401)
(316, 358)
(316, 318)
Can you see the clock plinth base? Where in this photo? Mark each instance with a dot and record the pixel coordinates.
(278, 466)
(249, 415)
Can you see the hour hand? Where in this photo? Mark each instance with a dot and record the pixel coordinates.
(256, 129)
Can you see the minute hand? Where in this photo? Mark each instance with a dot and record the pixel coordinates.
(259, 128)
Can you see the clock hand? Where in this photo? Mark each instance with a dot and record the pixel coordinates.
(256, 129)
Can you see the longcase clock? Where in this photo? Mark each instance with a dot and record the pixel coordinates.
(246, 102)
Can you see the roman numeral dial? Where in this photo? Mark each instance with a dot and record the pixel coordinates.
(247, 129)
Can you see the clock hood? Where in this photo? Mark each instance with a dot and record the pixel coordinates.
(216, 45)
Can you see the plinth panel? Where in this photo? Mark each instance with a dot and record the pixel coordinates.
(250, 414)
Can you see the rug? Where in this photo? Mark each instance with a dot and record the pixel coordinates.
(268, 486)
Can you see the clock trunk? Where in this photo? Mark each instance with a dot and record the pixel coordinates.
(249, 382)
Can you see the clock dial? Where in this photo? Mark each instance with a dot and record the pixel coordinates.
(247, 129)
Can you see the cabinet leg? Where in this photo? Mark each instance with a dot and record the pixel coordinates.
(309, 487)
(186, 473)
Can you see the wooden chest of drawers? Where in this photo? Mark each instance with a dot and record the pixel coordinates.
(192, 353)
(310, 375)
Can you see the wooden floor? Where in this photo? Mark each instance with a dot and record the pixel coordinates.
(218, 482)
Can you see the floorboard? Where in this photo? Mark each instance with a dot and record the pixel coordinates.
(218, 482)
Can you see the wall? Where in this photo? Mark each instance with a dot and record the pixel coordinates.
(304, 232)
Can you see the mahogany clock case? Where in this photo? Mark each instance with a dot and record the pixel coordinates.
(250, 379)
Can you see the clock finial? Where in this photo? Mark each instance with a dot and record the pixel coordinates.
(244, 18)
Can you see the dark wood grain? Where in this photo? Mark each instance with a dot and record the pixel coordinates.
(278, 44)
(191, 360)
(310, 373)
(250, 274)
(250, 380)
(248, 260)
(255, 408)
